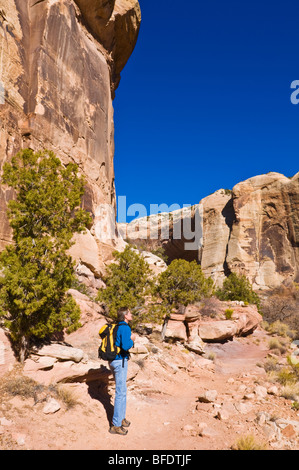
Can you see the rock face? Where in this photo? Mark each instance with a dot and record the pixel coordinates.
(251, 230)
(264, 241)
(194, 328)
(60, 66)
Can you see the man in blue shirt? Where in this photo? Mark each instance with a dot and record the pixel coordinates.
(125, 341)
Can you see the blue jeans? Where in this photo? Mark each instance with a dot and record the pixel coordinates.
(119, 368)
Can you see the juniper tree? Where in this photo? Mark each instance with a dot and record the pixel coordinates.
(36, 270)
(182, 283)
(128, 284)
(238, 287)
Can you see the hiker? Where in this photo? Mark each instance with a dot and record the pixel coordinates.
(119, 367)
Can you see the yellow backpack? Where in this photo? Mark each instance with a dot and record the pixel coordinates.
(107, 350)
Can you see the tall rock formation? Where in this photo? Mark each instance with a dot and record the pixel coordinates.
(264, 240)
(252, 230)
(60, 64)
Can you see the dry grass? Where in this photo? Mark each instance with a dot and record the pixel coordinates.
(249, 442)
(15, 384)
(279, 345)
(290, 391)
(67, 397)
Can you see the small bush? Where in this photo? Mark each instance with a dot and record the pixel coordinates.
(276, 344)
(210, 307)
(15, 384)
(280, 328)
(249, 443)
(286, 376)
(228, 313)
(238, 288)
(271, 365)
(282, 305)
(182, 283)
(290, 391)
(67, 397)
(19, 386)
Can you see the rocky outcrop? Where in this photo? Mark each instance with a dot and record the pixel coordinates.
(114, 23)
(60, 66)
(264, 240)
(194, 328)
(251, 230)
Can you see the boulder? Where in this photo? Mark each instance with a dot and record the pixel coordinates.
(176, 330)
(85, 251)
(69, 371)
(217, 331)
(61, 352)
(247, 319)
(192, 313)
(195, 344)
(193, 331)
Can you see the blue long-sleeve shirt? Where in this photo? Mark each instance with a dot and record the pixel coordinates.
(123, 339)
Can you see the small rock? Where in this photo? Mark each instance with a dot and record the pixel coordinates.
(260, 391)
(201, 428)
(52, 406)
(223, 415)
(205, 431)
(262, 418)
(139, 349)
(272, 431)
(20, 438)
(289, 432)
(188, 430)
(249, 396)
(209, 396)
(243, 408)
(273, 390)
(5, 422)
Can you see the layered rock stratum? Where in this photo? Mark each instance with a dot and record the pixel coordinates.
(252, 230)
(60, 64)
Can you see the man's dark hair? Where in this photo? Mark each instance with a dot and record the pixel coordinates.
(121, 314)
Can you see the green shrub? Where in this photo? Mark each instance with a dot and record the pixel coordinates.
(36, 270)
(237, 287)
(228, 313)
(182, 283)
(128, 284)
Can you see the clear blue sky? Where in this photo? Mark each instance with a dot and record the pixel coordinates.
(204, 100)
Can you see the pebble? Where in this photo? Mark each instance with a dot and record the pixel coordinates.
(52, 406)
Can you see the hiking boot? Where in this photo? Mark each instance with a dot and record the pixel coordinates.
(125, 423)
(118, 430)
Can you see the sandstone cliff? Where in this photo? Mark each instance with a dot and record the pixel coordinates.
(252, 230)
(60, 63)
